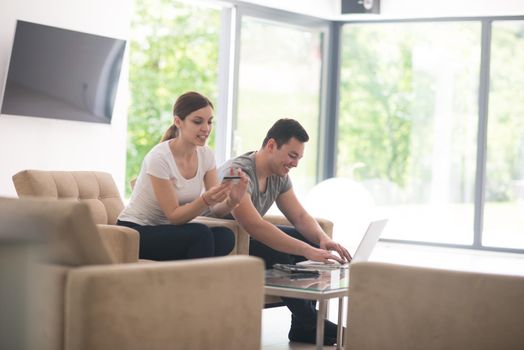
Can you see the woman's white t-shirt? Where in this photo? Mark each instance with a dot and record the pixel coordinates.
(143, 207)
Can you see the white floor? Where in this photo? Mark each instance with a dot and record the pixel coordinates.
(276, 321)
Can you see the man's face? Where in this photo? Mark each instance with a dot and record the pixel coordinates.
(285, 158)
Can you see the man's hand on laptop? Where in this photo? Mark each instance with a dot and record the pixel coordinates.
(322, 255)
(330, 245)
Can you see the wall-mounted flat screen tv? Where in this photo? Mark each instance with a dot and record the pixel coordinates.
(62, 74)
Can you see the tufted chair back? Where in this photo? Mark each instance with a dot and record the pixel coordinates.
(97, 189)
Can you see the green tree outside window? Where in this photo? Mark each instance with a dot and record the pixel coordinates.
(173, 49)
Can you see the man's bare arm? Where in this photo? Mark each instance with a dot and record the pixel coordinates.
(306, 224)
(267, 233)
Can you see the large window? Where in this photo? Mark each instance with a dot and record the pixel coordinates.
(408, 124)
(415, 138)
(279, 77)
(171, 53)
(504, 188)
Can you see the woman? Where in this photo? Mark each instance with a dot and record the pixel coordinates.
(177, 182)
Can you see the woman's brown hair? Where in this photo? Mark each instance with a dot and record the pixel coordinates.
(186, 104)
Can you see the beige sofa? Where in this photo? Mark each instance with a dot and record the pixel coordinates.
(411, 308)
(79, 298)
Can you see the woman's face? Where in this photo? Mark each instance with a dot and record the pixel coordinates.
(196, 127)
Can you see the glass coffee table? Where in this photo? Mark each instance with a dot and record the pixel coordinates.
(327, 285)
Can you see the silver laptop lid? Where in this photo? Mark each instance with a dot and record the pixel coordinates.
(369, 240)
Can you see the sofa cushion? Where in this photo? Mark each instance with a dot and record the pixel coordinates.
(95, 188)
(72, 237)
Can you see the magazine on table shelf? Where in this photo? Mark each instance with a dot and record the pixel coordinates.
(317, 265)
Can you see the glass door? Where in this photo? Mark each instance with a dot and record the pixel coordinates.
(408, 124)
(503, 224)
(279, 76)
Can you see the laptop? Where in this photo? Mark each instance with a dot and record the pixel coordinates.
(364, 249)
(370, 239)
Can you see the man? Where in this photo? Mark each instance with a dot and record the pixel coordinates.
(268, 170)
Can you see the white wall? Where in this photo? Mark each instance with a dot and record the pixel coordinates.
(38, 143)
(316, 8)
(330, 9)
(450, 8)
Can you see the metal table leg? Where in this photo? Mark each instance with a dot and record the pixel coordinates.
(340, 325)
(320, 323)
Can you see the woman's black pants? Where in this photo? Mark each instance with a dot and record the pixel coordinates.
(187, 241)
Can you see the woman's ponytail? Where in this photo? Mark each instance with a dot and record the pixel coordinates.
(170, 133)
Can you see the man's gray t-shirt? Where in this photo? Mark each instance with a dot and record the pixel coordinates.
(274, 187)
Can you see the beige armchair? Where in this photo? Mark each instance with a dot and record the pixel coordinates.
(82, 300)
(97, 190)
(410, 308)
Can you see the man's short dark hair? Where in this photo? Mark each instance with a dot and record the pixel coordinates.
(284, 130)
